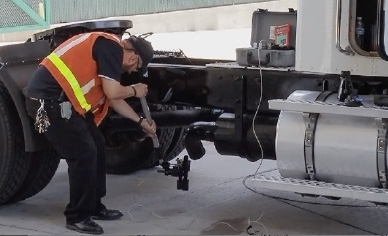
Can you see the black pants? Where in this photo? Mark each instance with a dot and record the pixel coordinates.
(80, 142)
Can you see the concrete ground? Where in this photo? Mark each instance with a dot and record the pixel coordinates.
(217, 203)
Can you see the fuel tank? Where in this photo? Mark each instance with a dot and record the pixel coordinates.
(344, 147)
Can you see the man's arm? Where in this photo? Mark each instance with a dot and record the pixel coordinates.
(114, 90)
(125, 110)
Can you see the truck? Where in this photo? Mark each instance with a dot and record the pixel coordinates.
(310, 92)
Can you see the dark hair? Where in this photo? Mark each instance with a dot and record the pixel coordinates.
(144, 49)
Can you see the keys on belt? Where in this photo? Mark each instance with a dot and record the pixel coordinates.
(42, 121)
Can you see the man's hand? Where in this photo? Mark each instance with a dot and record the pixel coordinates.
(140, 89)
(149, 128)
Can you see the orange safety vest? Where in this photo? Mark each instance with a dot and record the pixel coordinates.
(73, 66)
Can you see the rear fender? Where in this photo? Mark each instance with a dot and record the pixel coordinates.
(32, 141)
(19, 62)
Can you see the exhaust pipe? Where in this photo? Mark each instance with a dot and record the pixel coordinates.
(230, 141)
(165, 119)
(195, 133)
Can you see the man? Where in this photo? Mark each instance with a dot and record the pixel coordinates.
(69, 95)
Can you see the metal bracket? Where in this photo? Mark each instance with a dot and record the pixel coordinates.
(240, 108)
(381, 150)
(311, 120)
(309, 137)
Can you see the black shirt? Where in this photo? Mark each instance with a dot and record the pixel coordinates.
(108, 55)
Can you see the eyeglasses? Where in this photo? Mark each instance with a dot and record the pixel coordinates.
(138, 58)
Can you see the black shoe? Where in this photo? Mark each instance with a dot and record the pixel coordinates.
(107, 214)
(87, 226)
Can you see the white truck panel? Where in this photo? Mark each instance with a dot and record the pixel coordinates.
(316, 41)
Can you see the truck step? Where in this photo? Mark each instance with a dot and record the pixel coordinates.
(328, 108)
(321, 188)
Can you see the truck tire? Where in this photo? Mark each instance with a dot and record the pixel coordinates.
(178, 141)
(177, 145)
(14, 162)
(42, 169)
(132, 155)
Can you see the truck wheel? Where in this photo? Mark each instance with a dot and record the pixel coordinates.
(14, 162)
(131, 155)
(177, 145)
(42, 169)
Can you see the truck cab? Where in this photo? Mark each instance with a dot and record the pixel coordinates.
(334, 39)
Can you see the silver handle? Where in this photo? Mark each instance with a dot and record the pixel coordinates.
(347, 51)
(147, 114)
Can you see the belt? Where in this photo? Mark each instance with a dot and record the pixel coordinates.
(61, 98)
(46, 100)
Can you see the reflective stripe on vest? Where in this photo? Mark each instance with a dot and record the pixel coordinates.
(87, 87)
(79, 40)
(101, 102)
(70, 78)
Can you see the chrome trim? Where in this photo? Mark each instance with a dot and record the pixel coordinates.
(347, 51)
(381, 52)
